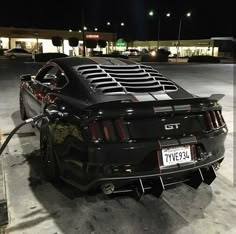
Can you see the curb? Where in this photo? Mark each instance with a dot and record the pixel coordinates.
(3, 197)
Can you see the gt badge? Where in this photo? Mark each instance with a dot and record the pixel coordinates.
(172, 126)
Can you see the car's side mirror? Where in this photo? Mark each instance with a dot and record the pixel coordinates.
(26, 77)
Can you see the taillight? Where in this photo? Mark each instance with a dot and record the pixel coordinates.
(122, 129)
(214, 119)
(220, 118)
(209, 121)
(40, 96)
(109, 131)
(95, 131)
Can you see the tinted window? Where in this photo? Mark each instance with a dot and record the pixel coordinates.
(42, 74)
(13, 50)
(61, 80)
(52, 75)
(18, 50)
(49, 76)
(53, 71)
(23, 51)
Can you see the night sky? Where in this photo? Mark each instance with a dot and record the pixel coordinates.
(209, 18)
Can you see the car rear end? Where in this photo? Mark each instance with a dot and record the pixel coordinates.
(18, 53)
(166, 142)
(151, 136)
(6, 52)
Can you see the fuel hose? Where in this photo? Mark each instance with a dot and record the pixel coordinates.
(27, 121)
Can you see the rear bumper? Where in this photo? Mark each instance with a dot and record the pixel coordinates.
(167, 178)
(126, 163)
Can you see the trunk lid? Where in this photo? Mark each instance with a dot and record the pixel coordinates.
(114, 121)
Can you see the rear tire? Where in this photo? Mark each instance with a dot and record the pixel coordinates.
(23, 114)
(50, 166)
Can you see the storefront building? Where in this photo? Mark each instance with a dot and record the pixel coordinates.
(217, 46)
(40, 40)
(186, 48)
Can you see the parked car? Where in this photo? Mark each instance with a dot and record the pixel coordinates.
(115, 54)
(203, 59)
(45, 57)
(122, 126)
(2, 51)
(160, 55)
(17, 53)
(131, 52)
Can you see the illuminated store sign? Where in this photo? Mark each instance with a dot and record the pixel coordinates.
(92, 36)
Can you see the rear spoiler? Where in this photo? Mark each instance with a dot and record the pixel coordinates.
(180, 104)
(216, 97)
(128, 103)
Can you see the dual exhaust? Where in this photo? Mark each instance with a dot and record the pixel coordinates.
(194, 180)
(138, 189)
(108, 188)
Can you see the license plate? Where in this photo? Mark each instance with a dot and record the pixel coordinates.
(176, 155)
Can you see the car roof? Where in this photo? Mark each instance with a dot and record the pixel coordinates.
(110, 79)
(18, 49)
(77, 61)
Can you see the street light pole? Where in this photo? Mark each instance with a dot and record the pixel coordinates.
(179, 33)
(83, 34)
(151, 13)
(158, 33)
(180, 26)
(116, 34)
(116, 28)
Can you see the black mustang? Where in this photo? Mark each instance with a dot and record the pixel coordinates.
(122, 126)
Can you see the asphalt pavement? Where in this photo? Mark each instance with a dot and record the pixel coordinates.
(37, 206)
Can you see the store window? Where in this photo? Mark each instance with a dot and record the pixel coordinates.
(30, 46)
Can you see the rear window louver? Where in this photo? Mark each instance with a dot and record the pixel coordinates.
(114, 79)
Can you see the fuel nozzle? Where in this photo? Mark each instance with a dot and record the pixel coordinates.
(52, 112)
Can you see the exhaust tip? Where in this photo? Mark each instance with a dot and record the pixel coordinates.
(216, 166)
(108, 188)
